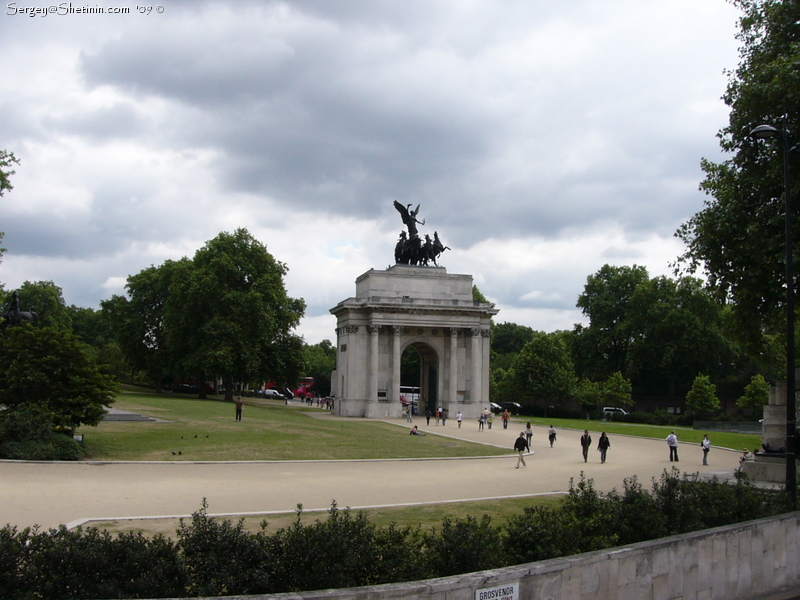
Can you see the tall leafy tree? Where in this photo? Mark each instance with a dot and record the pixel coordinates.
(47, 368)
(543, 369)
(738, 236)
(703, 395)
(616, 390)
(44, 298)
(138, 319)
(228, 313)
(677, 329)
(756, 394)
(320, 361)
(602, 348)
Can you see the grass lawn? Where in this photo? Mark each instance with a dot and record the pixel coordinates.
(427, 516)
(205, 430)
(722, 439)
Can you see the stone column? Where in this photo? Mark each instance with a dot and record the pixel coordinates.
(477, 362)
(373, 363)
(396, 360)
(453, 366)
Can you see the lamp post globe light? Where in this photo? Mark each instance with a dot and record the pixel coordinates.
(763, 132)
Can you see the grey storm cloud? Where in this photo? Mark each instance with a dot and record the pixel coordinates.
(534, 134)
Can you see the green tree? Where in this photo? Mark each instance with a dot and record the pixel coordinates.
(756, 394)
(48, 368)
(543, 369)
(44, 298)
(738, 236)
(138, 319)
(703, 395)
(616, 390)
(678, 332)
(228, 313)
(320, 362)
(602, 348)
(7, 160)
(589, 393)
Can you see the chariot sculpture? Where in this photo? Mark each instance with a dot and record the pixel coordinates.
(410, 248)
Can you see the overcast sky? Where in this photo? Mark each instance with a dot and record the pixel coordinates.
(542, 139)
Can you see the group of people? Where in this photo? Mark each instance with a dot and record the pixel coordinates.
(522, 444)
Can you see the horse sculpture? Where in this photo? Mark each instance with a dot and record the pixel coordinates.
(410, 250)
(13, 316)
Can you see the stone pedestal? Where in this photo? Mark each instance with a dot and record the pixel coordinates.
(766, 467)
(404, 306)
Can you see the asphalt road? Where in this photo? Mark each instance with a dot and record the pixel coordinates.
(49, 494)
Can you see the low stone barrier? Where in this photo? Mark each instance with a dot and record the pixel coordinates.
(737, 562)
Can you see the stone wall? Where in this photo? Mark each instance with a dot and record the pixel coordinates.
(737, 562)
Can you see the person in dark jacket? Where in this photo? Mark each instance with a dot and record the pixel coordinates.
(586, 442)
(520, 446)
(603, 445)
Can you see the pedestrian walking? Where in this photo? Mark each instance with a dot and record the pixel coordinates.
(603, 445)
(506, 416)
(586, 442)
(239, 407)
(529, 435)
(459, 418)
(444, 416)
(551, 435)
(706, 445)
(481, 421)
(672, 442)
(408, 413)
(519, 445)
(438, 415)
(428, 417)
(489, 419)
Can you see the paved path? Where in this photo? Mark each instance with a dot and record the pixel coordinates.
(49, 494)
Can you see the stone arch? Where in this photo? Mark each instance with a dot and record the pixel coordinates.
(420, 307)
(429, 374)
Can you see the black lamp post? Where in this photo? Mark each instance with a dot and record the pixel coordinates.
(761, 132)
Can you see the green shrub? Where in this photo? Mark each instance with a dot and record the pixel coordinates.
(463, 546)
(537, 534)
(28, 433)
(216, 557)
(337, 552)
(221, 558)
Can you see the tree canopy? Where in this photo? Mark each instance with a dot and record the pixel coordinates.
(738, 236)
(47, 368)
(225, 312)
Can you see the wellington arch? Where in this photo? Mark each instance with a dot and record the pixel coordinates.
(412, 306)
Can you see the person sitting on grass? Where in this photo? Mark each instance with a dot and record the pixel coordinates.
(415, 431)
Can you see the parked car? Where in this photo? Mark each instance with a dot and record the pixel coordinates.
(612, 411)
(274, 395)
(495, 408)
(512, 407)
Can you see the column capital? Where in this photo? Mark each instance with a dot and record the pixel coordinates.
(373, 328)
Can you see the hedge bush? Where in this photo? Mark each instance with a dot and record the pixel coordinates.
(218, 557)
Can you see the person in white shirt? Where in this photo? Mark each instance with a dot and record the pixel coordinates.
(706, 445)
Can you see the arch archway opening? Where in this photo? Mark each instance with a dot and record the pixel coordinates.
(419, 376)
